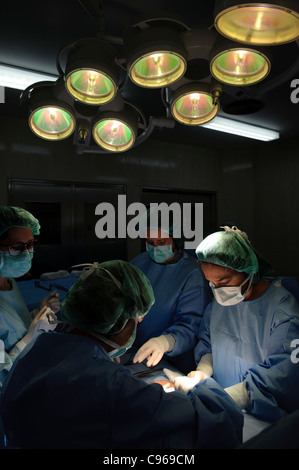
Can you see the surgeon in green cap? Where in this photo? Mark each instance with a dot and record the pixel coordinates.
(247, 332)
(66, 391)
(18, 229)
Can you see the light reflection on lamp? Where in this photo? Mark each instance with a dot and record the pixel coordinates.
(91, 72)
(240, 66)
(193, 104)
(258, 23)
(52, 122)
(158, 69)
(90, 86)
(115, 135)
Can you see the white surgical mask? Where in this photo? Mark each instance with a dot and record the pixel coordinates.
(15, 266)
(160, 254)
(230, 295)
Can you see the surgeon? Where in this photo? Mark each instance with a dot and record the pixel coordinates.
(66, 391)
(247, 334)
(181, 292)
(18, 229)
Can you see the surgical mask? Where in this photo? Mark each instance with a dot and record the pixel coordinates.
(230, 295)
(160, 254)
(118, 350)
(15, 266)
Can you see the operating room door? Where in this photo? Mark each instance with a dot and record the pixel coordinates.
(66, 212)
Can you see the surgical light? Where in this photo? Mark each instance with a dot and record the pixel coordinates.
(91, 74)
(240, 66)
(194, 104)
(241, 129)
(114, 131)
(258, 23)
(156, 56)
(50, 118)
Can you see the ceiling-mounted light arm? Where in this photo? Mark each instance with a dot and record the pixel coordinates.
(25, 95)
(143, 23)
(66, 48)
(216, 91)
(96, 9)
(165, 97)
(283, 77)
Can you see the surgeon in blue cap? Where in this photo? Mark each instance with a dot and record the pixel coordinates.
(247, 332)
(18, 229)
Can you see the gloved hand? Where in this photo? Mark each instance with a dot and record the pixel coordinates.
(185, 383)
(52, 301)
(40, 322)
(239, 394)
(199, 375)
(154, 349)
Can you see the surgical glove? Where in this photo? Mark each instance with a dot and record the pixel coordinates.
(52, 301)
(172, 375)
(184, 383)
(239, 394)
(40, 322)
(199, 375)
(154, 349)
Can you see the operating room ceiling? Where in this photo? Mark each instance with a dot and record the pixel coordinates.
(32, 32)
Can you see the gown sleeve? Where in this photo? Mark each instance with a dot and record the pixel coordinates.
(273, 385)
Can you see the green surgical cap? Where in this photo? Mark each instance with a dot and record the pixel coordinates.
(17, 217)
(232, 249)
(106, 296)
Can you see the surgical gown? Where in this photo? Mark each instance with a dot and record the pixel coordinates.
(181, 296)
(14, 323)
(252, 342)
(65, 392)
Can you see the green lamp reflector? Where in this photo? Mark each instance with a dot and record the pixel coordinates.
(52, 123)
(240, 67)
(194, 108)
(157, 69)
(259, 24)
(90, 86)
(113, 135)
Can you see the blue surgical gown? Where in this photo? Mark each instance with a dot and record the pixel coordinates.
(14, 323)
(65, 392)
(181, 296)
(251, 342)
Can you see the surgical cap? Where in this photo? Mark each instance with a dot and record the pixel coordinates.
(232, 249)
(17, 217)
(105, 297)
(162, 217)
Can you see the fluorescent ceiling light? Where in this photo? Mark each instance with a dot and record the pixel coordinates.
(20, 79)
(241, 129)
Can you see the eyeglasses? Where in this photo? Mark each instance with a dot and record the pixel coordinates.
(16, 249)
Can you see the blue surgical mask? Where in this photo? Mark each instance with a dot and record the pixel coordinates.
(118, 350)
(160, 254)
(15, 266)
(230, 295)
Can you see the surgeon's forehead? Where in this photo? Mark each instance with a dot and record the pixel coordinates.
(18, 235)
